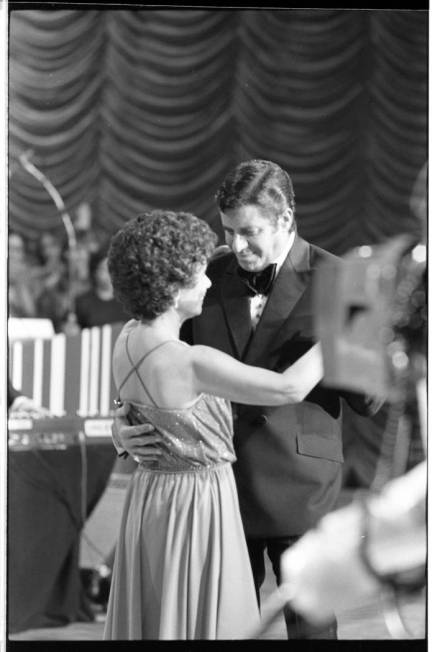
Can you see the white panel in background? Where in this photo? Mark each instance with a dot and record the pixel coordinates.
(94, 370)
(84, 373)
(106, 368)
(17, 369)
(37, 371)
(57, 375)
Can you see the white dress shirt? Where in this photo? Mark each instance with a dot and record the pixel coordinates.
(258, 302)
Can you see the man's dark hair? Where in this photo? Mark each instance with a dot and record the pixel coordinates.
(258, 182)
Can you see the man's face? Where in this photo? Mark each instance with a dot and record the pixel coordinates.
(254, 238)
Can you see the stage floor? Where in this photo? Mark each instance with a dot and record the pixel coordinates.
(362, 622)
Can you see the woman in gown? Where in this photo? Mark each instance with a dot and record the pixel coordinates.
(181, 568)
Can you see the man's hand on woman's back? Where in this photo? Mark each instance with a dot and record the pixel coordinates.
(140, 441)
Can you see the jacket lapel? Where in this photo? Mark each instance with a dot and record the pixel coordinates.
(286, 292)
(235, 301)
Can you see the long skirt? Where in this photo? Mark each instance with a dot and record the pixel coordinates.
(181, 568)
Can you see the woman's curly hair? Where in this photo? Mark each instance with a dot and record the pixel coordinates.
(154, 255)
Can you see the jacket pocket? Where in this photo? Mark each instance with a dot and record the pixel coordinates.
(319, 434)
(315, 445)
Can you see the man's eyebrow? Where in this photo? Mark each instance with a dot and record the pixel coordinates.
(243, 229)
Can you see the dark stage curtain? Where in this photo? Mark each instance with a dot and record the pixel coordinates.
(133, 109)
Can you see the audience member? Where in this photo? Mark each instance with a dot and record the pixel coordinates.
(18, 402)
(21, 302)
(98, 306)
(55, 303)
(78, 261)
(53, 266)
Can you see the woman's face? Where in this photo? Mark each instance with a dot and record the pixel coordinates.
(189, 300)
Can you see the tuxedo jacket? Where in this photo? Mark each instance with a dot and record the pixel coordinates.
(289, 457)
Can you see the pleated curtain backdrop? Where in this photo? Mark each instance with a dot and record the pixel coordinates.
(133, 109)
(127, 110)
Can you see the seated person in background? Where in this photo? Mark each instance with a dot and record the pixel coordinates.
(98, 306)
(55, 303)
(54, 300)
(21, 301)
(78, 260)
(17, 402)
(87, 233)
(52, 265)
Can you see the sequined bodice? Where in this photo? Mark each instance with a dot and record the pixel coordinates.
(195, 437)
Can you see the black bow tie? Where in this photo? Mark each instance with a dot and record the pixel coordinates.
(258, 282)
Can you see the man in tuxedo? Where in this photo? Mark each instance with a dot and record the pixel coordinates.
(259, 310)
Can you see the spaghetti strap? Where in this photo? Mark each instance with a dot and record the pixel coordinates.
(135, 366)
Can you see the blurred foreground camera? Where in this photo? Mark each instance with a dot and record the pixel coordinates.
(370, 317)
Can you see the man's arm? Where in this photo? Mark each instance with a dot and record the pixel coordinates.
(140, 441)
(366, 406)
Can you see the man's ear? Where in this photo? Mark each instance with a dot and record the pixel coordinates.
(220, 251)
(286, 219)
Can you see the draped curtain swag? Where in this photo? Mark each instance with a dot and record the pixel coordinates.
(133, 109)
(127, 110)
